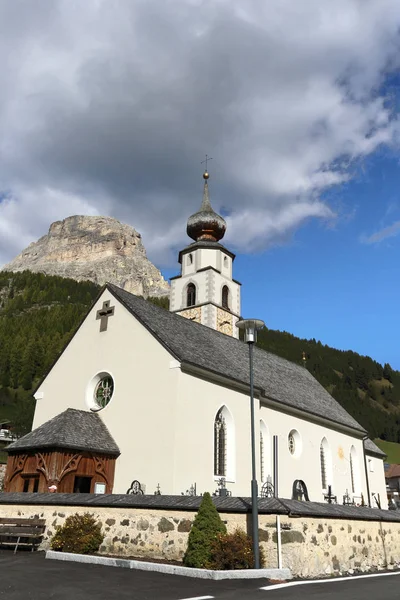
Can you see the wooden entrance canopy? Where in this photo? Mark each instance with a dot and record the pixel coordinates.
(74, 452)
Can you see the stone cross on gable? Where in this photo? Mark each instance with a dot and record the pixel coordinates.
(103, 314)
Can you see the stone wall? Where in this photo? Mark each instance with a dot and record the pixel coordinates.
(310, 546)
(314, 547)
(2, 475)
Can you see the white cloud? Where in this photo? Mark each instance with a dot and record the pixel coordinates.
(382, 234)
(109, 107)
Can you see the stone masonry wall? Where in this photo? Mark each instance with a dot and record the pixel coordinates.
(310, 546)
(313, 546)
(2, 475)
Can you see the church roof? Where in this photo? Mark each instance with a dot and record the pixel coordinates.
(371, 448)
(289, 384)
(72, 430)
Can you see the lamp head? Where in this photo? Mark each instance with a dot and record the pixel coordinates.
(250, 328)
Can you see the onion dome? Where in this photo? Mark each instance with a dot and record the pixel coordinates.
(206, 224)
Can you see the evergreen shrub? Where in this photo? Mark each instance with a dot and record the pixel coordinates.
(80, 534)
(233, 551)
(206, 527)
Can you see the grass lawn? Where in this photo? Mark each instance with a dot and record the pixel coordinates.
(391, 449)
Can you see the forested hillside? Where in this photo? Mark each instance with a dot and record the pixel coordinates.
(369, 391)
(39, 313)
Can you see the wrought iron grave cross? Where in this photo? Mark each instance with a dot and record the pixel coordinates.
(103, 314)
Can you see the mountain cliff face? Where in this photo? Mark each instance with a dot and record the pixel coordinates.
(97, 249)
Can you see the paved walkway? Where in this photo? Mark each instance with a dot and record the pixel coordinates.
(29, 576)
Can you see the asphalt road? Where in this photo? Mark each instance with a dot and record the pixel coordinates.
(29, 576)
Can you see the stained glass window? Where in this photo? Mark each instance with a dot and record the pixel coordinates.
(262, 455)
(220, 445)
(323, 466)
(104, 391)
(291, 443)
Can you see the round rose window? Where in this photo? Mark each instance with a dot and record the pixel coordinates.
(103, 391)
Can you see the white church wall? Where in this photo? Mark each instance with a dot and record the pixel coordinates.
(376, 478)
(225, 265)
(189, 263)
(198, 403)
(207, 257)
(305, 464)
(140, 415)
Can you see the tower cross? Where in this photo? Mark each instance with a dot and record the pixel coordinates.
(206, 160)
(103, 314)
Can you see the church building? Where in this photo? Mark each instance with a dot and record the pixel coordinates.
(145, 399)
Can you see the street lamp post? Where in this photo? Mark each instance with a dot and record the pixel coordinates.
(250, 328)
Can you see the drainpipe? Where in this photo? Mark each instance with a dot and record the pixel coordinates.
(278, 518)
(366, 473)
(275, 466)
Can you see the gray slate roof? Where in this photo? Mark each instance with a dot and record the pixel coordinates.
(371, 448)
(289, 384)
(73, 430)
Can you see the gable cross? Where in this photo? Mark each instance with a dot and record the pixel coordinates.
(103, 314)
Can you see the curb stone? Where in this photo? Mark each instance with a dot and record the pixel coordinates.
(276, 574)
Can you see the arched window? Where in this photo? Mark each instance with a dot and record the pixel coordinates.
(265, 455)
(220, 442)
(224, 444)
(191, 295)
(322, 455)
(262, 457)
(354, 472)
(225, 297)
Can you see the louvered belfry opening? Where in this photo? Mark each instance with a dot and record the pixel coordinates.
(191, 295)
(225, 297)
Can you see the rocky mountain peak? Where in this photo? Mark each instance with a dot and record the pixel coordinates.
(98, 249)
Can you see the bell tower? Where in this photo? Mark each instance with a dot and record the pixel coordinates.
(205, 291)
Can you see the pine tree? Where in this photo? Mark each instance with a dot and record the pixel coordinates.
(206, 526)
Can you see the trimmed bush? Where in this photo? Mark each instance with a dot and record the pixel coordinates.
(80, 534)
(206, 527)
(233, 551)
